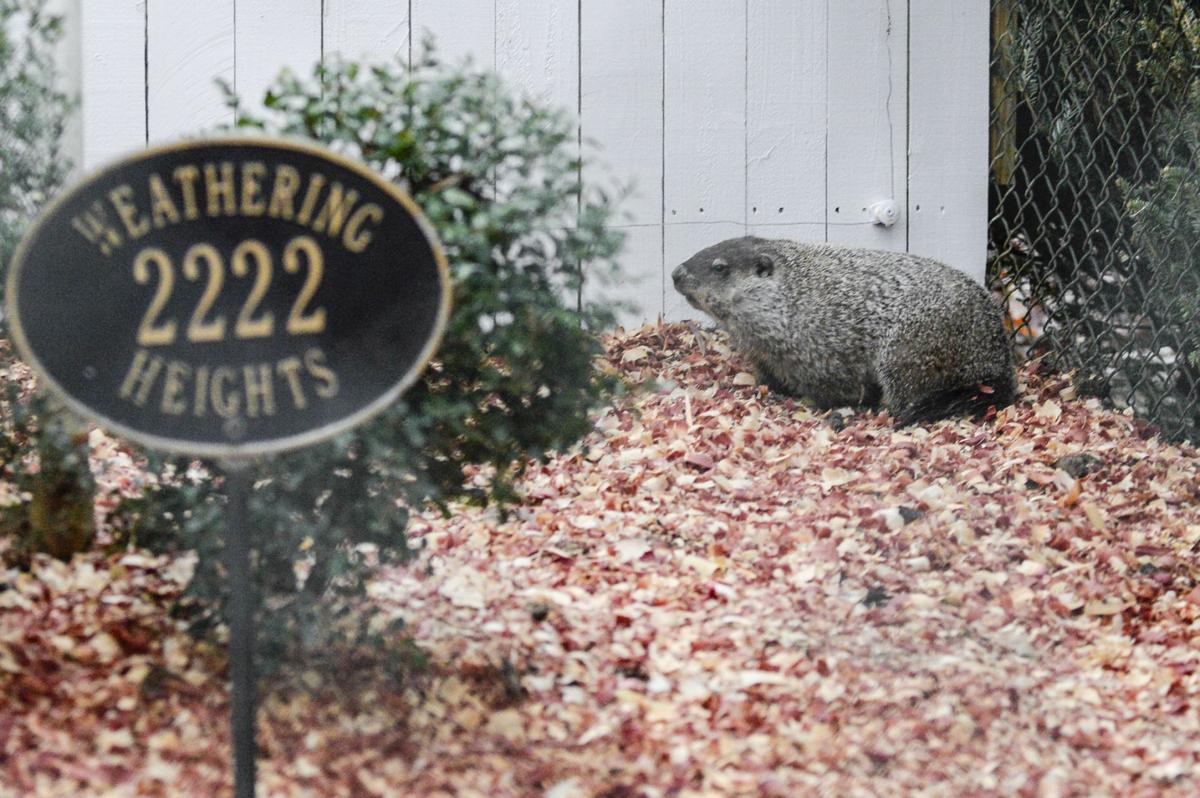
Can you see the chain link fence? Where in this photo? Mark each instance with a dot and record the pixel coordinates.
(1094, 225)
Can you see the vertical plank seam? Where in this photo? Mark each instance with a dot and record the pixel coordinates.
(908, 218)
(322, 82)
(68, 61)
(410, 36)
(662, 237)
(146, 71)
(579, 135)
(746, 117)
(321, 56)
(496, 76)
(826, 138)
(887, 104)
(579, 107)
(236, 91)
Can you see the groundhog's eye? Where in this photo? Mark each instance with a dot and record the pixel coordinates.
(720, 266)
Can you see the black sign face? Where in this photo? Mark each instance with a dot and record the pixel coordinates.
(229, 297)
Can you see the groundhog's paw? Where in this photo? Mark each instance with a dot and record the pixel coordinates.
(766, 378)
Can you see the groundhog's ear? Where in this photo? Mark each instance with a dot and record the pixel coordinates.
(764, 265)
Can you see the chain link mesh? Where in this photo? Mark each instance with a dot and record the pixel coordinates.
(1094, 229)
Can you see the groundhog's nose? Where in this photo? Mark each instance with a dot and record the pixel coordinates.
(677, 275)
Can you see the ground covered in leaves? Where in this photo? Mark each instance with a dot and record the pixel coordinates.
(721, 593)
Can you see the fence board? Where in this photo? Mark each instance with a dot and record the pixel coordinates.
(188, 47)
(537, 54)
(704, 132)
(271, 35)
(621, 95)
(866, 122)
(948, 145)
(724, 112)
(460, 28)
(367, 30)
(785, 119)
(112, 81)
(67, 52)
(537, 50)
(639, 285)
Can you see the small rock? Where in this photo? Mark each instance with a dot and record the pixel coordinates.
(876, 597)
(1031, 568)
(1092, 385)
(919, 564)
(1078, 465)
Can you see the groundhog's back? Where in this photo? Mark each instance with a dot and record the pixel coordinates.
(930, 328)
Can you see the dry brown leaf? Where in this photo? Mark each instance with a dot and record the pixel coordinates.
(724, 596)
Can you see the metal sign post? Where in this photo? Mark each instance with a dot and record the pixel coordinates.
(230, 298)
(242, 604)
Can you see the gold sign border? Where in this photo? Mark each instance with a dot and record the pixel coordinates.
(253, 449)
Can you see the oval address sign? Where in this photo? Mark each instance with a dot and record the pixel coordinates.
(229, 297)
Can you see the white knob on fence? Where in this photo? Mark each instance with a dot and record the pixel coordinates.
(884, 212)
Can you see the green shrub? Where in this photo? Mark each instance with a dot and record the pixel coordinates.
(499, 178)
(44, 453)
(33, 114)
(43, 450)
(1098, 221)
(1164, 215)
(1164, 210)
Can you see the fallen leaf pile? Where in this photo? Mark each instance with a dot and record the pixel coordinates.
(721, 592)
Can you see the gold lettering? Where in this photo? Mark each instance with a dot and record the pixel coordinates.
(356, 239)
(220, 188)
(315, 182)
(122, 199)
(337, 207)
(252, 175)
(173, 386)
(225, 405)
(94, 226)
(290, 368)
(259, 390)
(201, 391)
(142, 373)
(314, 361)
(287, 183)
(186, 177)
(162, 207)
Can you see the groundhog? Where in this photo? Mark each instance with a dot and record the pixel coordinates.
(844, 326)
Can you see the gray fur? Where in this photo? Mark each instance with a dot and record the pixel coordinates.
(846, 326)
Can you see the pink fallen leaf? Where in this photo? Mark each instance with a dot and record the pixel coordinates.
(635, 354)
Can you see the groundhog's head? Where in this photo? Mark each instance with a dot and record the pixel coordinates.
(715, 279)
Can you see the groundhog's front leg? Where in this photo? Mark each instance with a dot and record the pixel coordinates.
(806, 393)
(765, 377)
(824, 395)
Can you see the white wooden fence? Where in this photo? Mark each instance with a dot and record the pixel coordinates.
(779, 118)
